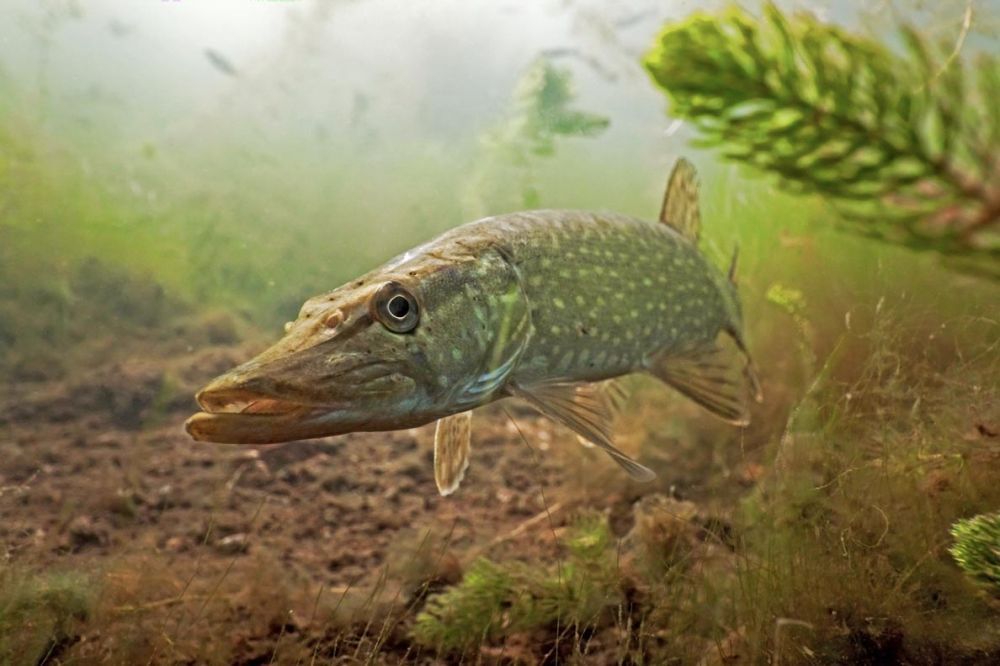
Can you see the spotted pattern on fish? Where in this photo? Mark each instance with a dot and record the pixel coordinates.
(603, 291)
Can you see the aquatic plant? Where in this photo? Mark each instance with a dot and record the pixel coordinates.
(977, 549)
(847, 532)
(543, 109)
(498, 599)
(39, 613)
(541, 113)
(905, 148)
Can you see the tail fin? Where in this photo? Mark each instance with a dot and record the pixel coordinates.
(749, 369)
(734, 331)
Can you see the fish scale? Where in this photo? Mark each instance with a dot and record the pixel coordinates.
(644, 289)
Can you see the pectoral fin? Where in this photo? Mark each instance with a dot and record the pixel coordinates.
(452, 443)
(583, 409)
(712, 376)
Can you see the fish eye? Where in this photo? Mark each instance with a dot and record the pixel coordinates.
(396, 308)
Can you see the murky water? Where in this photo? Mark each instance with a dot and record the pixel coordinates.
(177, 178)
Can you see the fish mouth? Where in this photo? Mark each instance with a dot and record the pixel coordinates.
(240, 416)
(242, 401)
(296, 398)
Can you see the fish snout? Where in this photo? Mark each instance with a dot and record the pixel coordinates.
(238, 388)
(215, 398)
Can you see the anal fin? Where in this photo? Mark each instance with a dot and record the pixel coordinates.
(582, 408)
(452, 444)
(712, 376)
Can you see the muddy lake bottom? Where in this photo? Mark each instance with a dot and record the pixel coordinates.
(204, 544)
(314, 551)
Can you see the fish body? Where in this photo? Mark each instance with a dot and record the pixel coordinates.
(603, 293)
(538, 305)
(221, 63)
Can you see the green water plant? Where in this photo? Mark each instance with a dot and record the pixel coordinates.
(41, 613)
(542, 112)
(543, 109)
(904, 145)
(977, 549)
(494, 600)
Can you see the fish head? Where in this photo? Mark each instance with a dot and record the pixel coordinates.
(399, 347)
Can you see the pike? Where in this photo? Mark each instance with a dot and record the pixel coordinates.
(540, 305)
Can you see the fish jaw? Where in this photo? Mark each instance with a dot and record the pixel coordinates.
(242, 416)
(237, 428)
(234, 414)
(293, 391)
(299, 423)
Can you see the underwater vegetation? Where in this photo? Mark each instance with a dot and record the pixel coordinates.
(905, 147)
(540, 114)
(494, 599)
(977, 549)
(40, 615)
(853, 521)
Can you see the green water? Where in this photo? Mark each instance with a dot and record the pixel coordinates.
(155, 203)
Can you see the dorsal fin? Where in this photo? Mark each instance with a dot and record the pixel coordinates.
(680, 202)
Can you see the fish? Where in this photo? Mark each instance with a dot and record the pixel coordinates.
(221, 62)
(550, 307)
